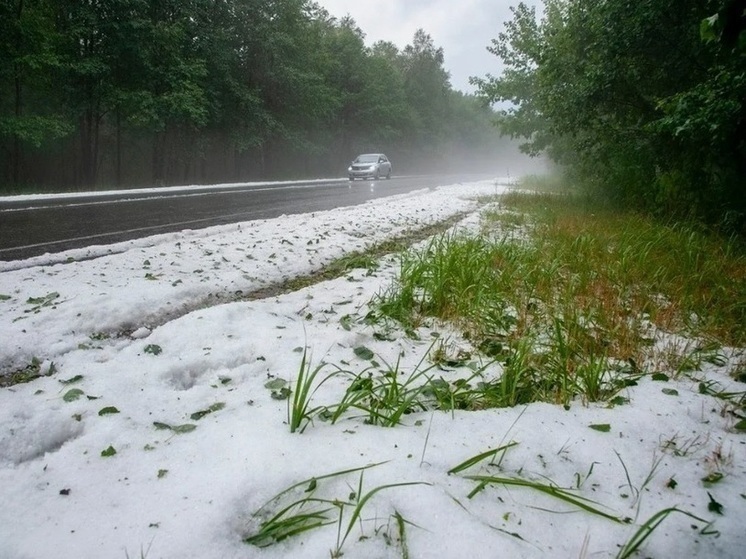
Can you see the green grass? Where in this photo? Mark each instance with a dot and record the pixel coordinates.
(381, 397)
(626, 260)
(561, 301)
(564, 495)
(566, 305)
(300, 412)
(299, 509)
(482, 456)
(648, 527)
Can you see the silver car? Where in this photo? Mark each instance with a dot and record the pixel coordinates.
(370, 165)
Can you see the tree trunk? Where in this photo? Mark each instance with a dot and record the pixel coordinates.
(118, 170)
(88, 148)
(237, 164)
(16, 157)
(159, 149)
(18, 104)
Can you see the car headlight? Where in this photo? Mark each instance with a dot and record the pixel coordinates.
(349, 169)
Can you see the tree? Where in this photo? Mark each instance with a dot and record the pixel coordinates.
(30, 112)
(427, 85)
(95, 93)
(630, 99)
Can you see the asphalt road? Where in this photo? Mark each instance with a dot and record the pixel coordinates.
(34, 226)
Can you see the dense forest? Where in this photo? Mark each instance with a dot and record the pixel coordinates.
(643, 103)
(119, 93)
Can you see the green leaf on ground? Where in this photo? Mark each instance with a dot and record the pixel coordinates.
(44, 301)
(72, 394)
(185, 428)
(275, 384)
(670, 392)
(603, 427)
(153, 349)
(364, 353)
(279, 387)
(178, 429)
(72, 380)
(346, 322)
(281, 394)
(111, 451)
(202, 413)
(714, 506)
(108, 410)
(712, 478)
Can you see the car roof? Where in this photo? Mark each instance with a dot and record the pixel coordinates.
(376, 154)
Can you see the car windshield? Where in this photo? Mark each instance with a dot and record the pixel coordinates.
(368, 158)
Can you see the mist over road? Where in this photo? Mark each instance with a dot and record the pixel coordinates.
(31, 225)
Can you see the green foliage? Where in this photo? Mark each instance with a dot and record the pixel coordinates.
(279, 389)
(108, 452)
(217, 406)
(363, 353)
(30, 372)
(30, 114)
(177, 429)
(563, 311)
(713, 505)
(602, 427)
(108, 410)
(474, 460)
(298, 509)
(72, 395)
(384, 399)
(599, 87)
(153, 349)
(547, 489)
(300, 413)
(131, 91)
(38, 303)
(647, 529)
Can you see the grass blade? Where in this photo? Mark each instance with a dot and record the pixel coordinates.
(553, 491)
(365, 498)
(644, 532)
(479, 457)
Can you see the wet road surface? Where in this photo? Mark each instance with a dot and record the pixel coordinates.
(31, 227)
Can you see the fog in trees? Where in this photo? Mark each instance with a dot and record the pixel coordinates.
(122, 93)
